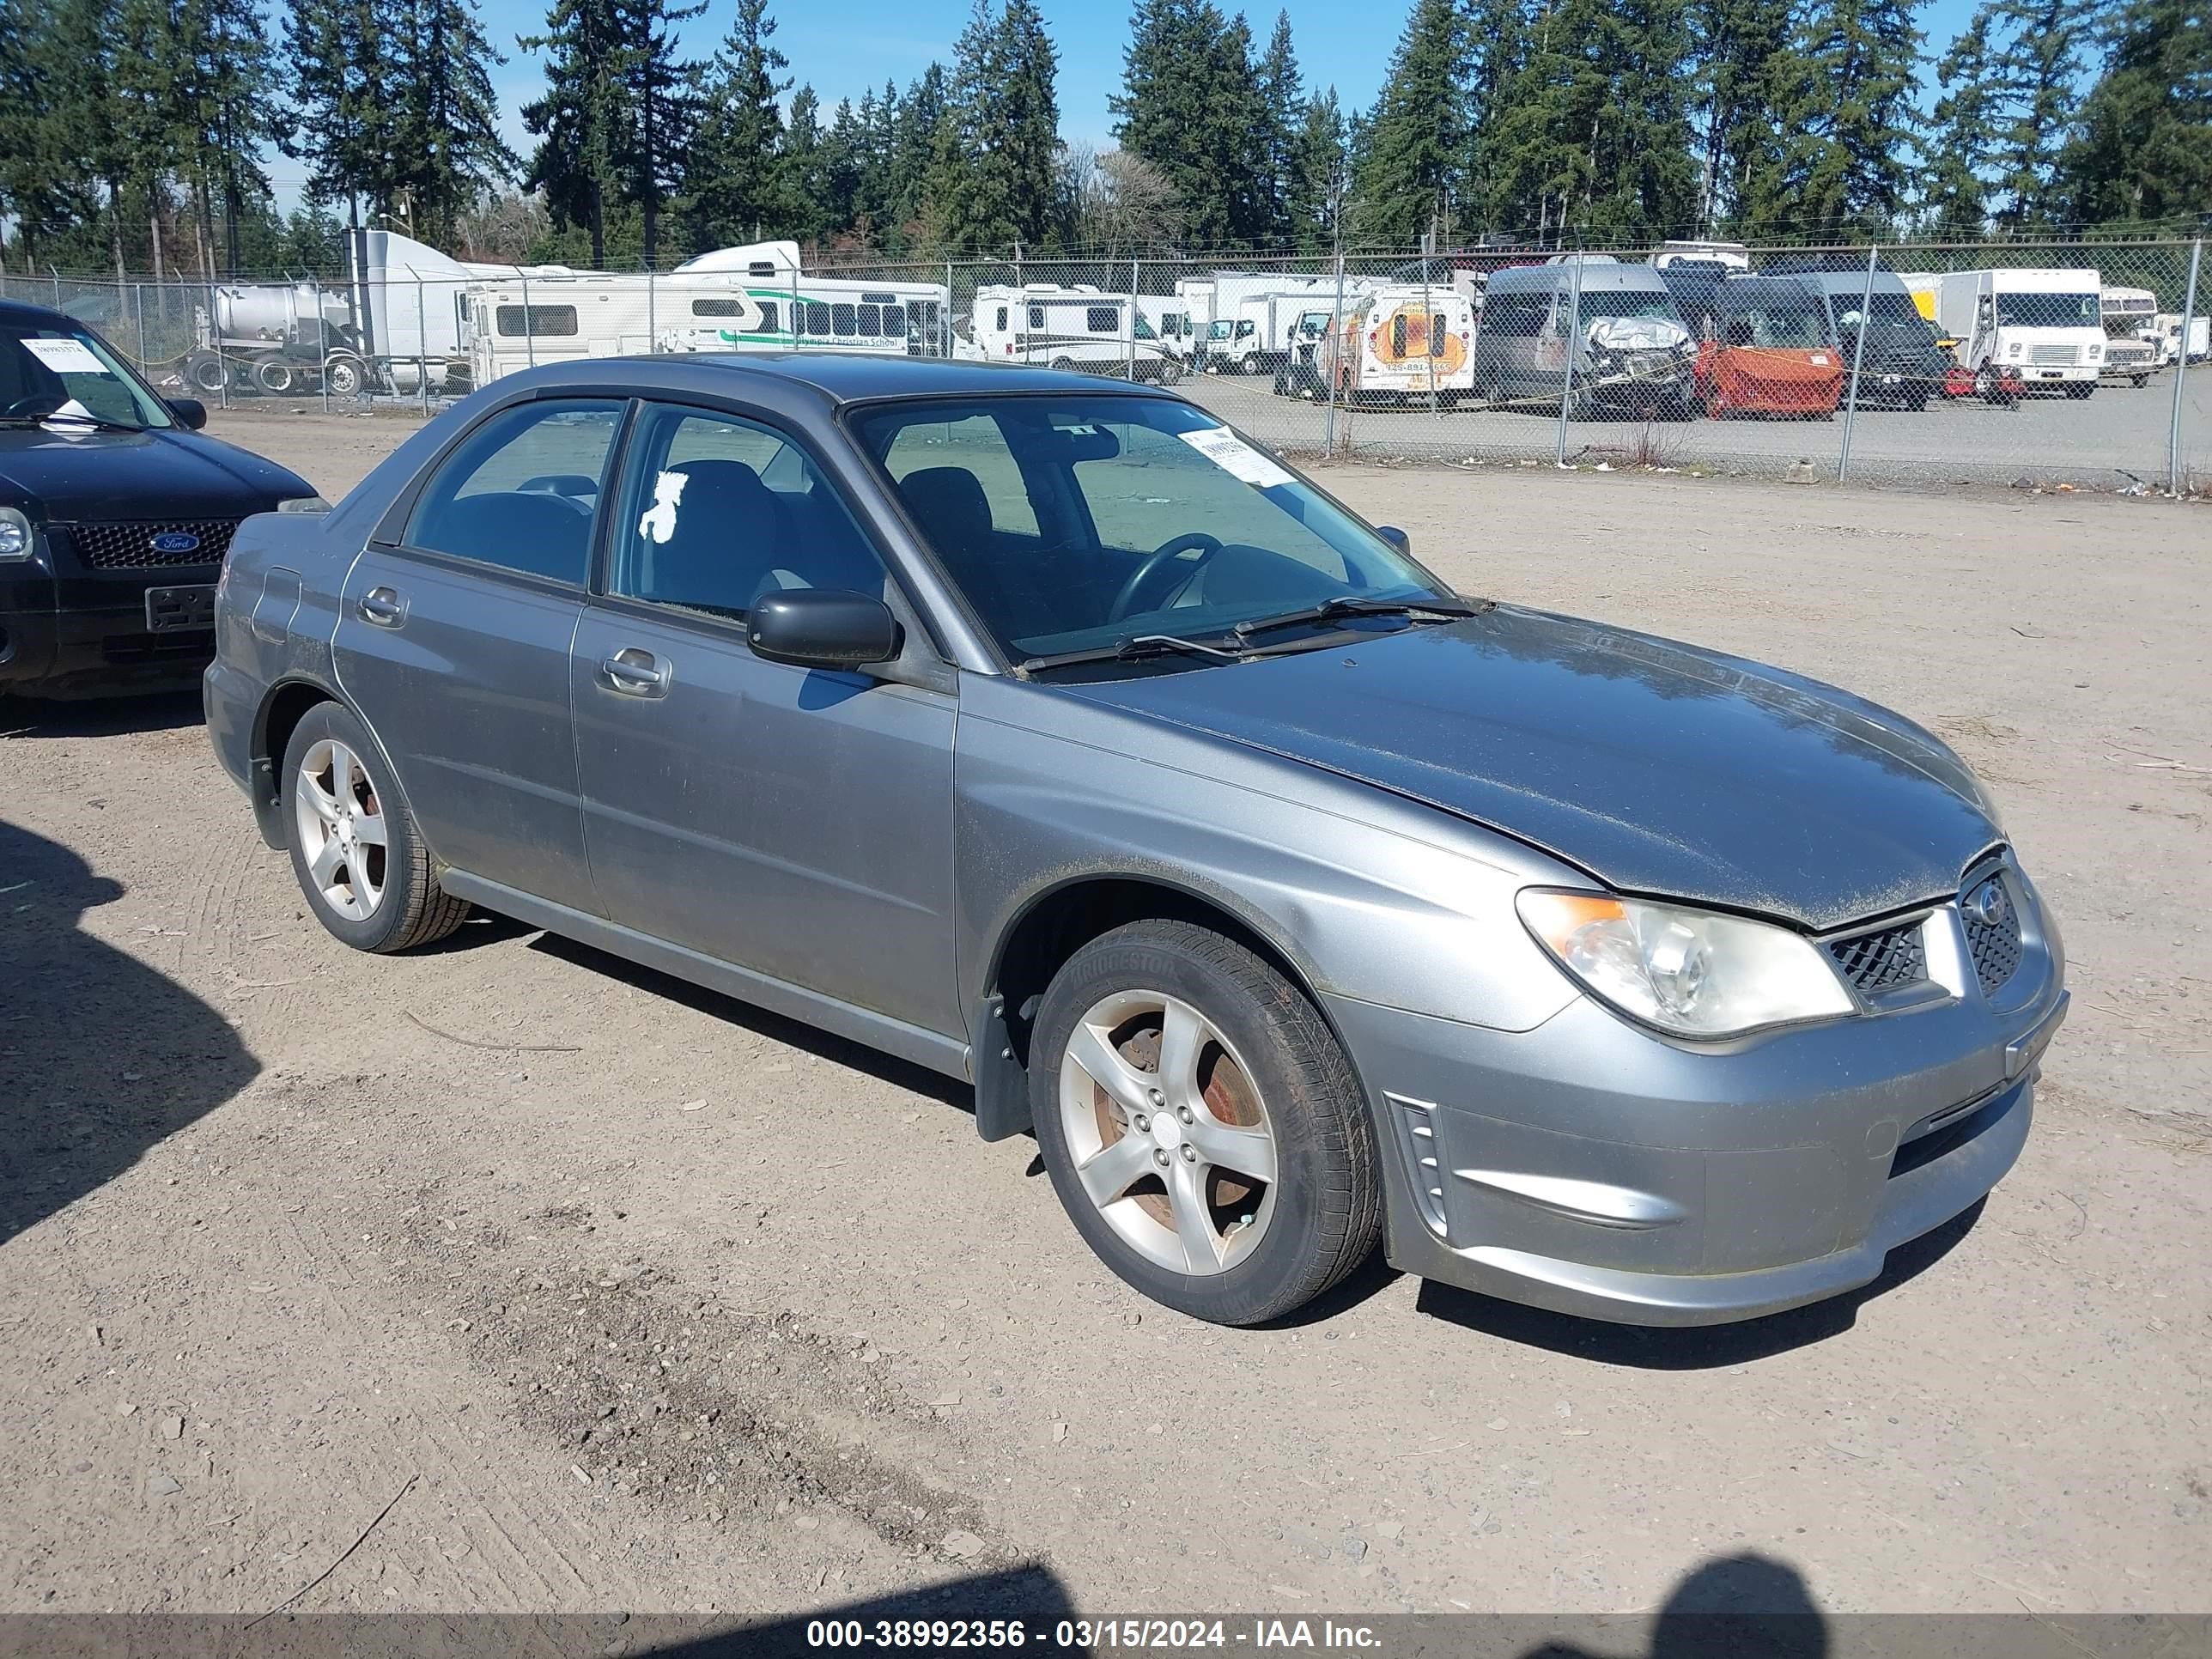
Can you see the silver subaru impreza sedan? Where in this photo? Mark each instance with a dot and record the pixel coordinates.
(1051, 735)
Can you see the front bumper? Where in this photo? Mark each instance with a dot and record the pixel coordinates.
(1593, 1168)
(106, 646)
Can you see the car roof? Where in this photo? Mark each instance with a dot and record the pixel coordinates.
(1596, 279)
(16, 311)
(840, 377)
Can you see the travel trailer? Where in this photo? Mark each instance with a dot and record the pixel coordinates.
(2131, 349)
(2046, 325)
(1055, 327)
(1403, 343)
(1633, 353)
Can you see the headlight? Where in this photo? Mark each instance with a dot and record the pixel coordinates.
(1689, 972)
(14, 534)
(304, 504)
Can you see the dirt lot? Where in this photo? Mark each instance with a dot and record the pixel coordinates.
(637, 1298)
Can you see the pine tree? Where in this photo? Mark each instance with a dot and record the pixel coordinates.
(737, 166)
(662, 111)
(1416, 151)
(1021, 124)
(913, 139)
(225, 89)
(805, 184)
(581, 119)
(2036, 79)
(1319, 172)
(1281, 190)
(1848, 104)
(1742, 59)
(1963, 133)
(338, 78)
(1190, 105)
(445, 145)
(2144, 152)
(48, 169)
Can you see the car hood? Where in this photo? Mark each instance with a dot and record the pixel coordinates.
(1659, 768)
(138, 474)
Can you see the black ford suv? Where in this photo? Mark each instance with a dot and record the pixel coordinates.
(114, 515)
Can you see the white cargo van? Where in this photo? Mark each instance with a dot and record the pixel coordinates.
(2046, 325)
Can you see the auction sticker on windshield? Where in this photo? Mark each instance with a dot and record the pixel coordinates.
(1234, 455)
(66, 356)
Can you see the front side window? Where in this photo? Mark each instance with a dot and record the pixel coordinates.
(716, 511)
(520, 491)
(1073, 523)
(62, 374)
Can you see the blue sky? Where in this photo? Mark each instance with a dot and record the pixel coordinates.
(845, 47)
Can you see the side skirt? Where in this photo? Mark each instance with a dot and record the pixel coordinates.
(894, 1037)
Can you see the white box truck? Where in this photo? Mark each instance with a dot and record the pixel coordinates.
(2047, 326)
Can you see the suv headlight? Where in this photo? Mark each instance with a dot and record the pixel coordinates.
(1692, 973)
(15, 539)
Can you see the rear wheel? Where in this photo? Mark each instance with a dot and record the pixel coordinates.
(275, 376)
(1203, 1129)
(208, 374)
(355, 848)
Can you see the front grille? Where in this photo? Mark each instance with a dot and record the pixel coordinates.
(129, 544)
(2051, 353)
(1889, 959)
(1995, 946)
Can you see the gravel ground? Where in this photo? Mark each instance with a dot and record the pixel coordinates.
(634, 1297)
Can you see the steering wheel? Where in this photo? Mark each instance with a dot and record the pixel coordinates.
(1125, 601)
(563, 487)
(37, 403)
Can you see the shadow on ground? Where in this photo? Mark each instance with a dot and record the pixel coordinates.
(101, 1056)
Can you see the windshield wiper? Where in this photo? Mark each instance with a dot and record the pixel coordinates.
(94, 422)
(1133, 649)
(1331, 609)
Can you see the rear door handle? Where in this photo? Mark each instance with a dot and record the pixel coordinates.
(383, 607)
(636, 672)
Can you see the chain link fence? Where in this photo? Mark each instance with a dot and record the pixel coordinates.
(2077, 364)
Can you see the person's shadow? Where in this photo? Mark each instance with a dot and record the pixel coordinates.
(100, 1055)
(1734, 1607)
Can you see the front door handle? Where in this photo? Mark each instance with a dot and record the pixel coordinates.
(637, 672)
(383, 607)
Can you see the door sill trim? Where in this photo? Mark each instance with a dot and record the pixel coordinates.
(948, 1055)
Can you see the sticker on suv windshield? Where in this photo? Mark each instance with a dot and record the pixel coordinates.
(1235, 457)
(66, 356)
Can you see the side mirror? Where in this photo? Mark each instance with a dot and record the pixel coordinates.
(823, 628)
(1397, 538)
(190, 412)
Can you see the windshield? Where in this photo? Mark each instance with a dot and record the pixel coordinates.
(1218, 329)
(1625, 304)
(1790, 327)
(1314, 324)
(1074, 523)
(2051, 311)
(55, 374)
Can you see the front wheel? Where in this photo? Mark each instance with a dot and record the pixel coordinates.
(355, 848)
(1203, 1129)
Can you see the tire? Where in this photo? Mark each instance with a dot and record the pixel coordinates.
(343, 376)
(1263, 1053)
(274, 376)
(2138, 381)
(396, 902)
(207, 373)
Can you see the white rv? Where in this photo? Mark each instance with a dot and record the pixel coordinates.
(1403, 343)
(2046, 325)
(2167, 324)
(1077, 328)
(756, 298)
(2130, 342)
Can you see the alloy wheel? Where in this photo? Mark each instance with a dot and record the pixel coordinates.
(340, 820)
(1167, 1132)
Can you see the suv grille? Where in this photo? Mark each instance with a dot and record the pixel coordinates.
(1994, 944)
(1887, 960)
(129, 545)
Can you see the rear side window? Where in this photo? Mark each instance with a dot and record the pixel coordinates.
(1102, 319)
(546, 322)
(521, 491)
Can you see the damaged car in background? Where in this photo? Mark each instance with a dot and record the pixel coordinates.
(1057, 738)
